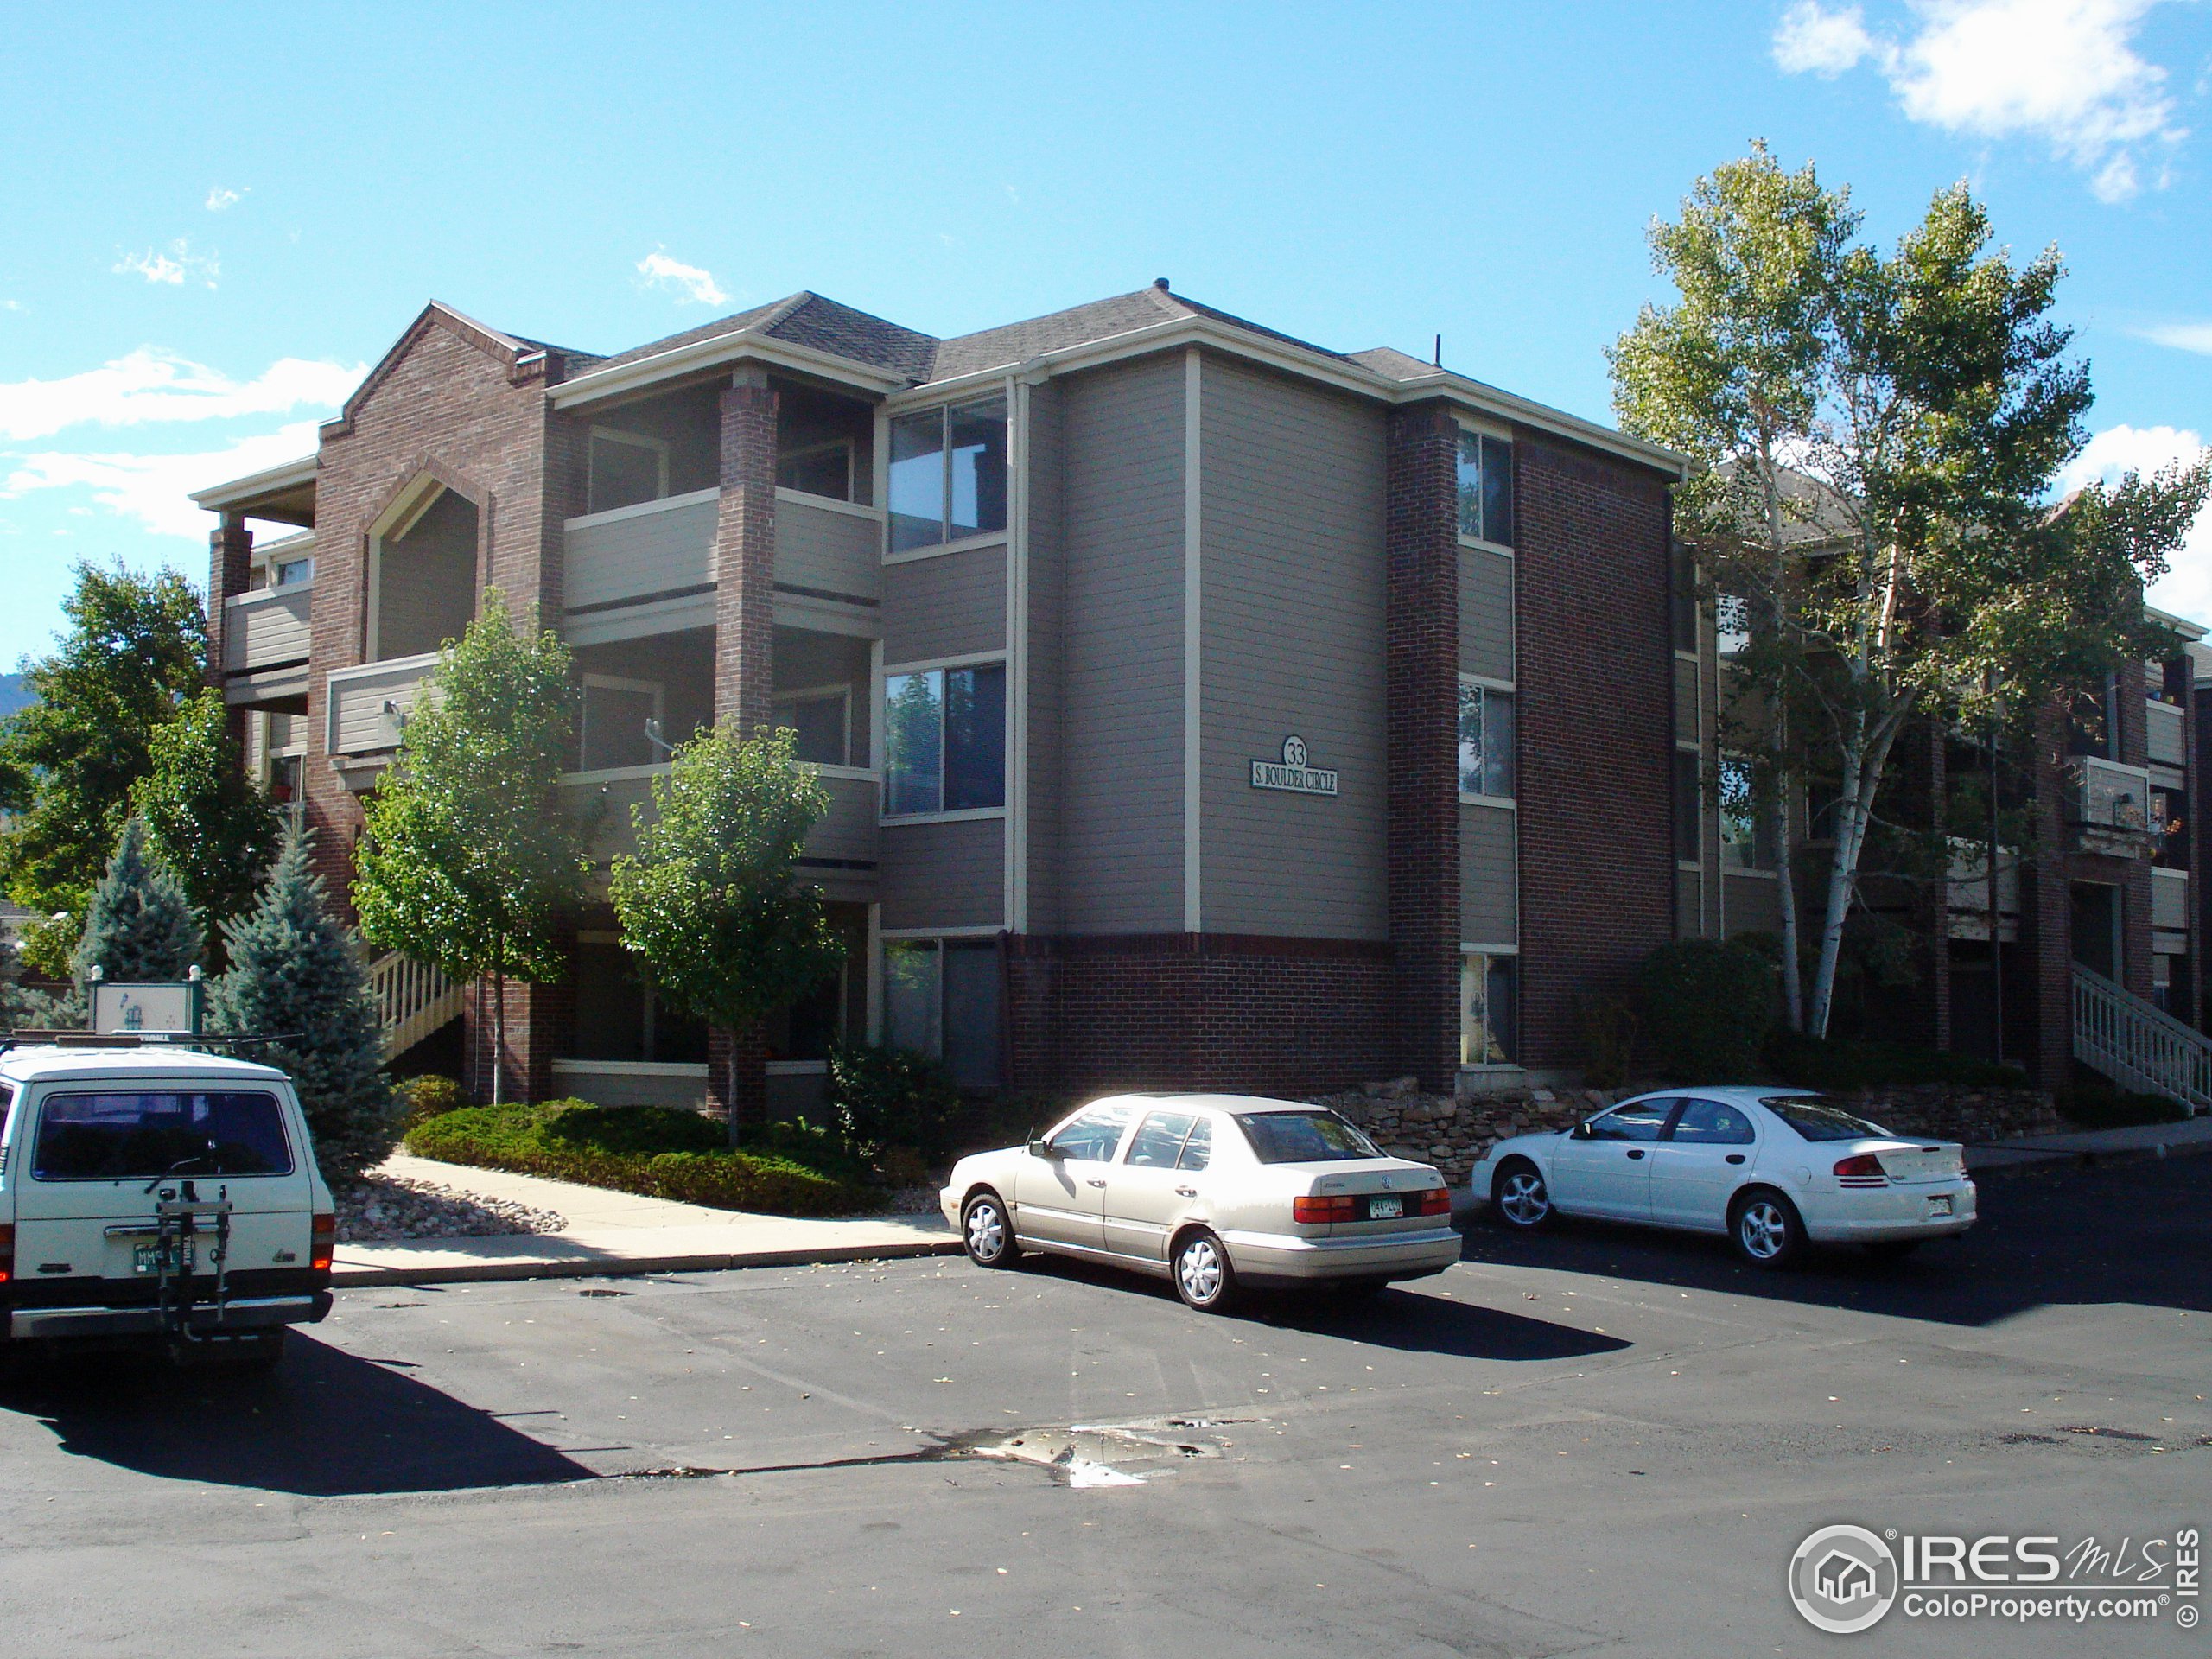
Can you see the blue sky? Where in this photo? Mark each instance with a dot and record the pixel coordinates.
(219, 215)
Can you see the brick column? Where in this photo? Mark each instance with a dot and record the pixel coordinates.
(229, 570)
(541, 1020)
(745, 657)
(2042, 1010)
(1421, 656)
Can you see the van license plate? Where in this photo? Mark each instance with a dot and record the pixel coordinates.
(1940, 1206)
(1385, 1209)
(146, 1258)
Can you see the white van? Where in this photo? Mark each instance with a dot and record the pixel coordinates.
(152, 1193)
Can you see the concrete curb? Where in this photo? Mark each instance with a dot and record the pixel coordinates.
(613, 1267)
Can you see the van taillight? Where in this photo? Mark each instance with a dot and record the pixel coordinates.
(7, 1251)
(1313, 1212)
(323, 1242)
(1864, 1169)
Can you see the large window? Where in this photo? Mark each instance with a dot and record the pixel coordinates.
(1485, 741)
(1746, 828)
(944, 739)
(1490, 984)
(619, 1016)
(126, 1135)
(626, 468)
(1485, 488)
(948, 474)
(941, 996)
(824, 469)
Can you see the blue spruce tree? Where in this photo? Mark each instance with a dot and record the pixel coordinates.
(139, 926)
(296, 973)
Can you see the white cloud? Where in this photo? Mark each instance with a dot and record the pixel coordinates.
(2182, 336)
(150, 385)
(156, 490)
(219, 199)
(689, 282)
(171, 266)
(2186, 590)
(12, 305)
(2065, 71)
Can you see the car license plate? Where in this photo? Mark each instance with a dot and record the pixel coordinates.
(1385, 1209)
(146, 1258)
(1941, 1206)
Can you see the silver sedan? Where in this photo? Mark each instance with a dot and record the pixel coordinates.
(1213, 1192)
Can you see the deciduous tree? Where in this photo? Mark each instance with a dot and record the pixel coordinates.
(205, 821)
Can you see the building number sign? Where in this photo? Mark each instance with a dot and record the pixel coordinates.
(1293, 774)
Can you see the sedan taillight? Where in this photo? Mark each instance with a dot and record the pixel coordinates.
(1862, 1169)
(1437, 1201)
(322, 1243)
(1340, 1207)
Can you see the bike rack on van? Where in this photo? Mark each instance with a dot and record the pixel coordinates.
(179, 1214)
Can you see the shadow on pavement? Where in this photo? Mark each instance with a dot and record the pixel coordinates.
(325, 1424)
(2049, 1234)
(1389, 1319)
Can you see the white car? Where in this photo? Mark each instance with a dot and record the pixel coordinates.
(1213, 1192)
(157, 1194)
(1772, 1168)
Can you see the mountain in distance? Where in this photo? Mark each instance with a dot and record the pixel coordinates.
(15, 693)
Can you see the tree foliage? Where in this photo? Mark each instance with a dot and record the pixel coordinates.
(136, 647)
(205, 821)
(1877, 438)
(139, 927)
(468, 860)
(711, 901)
(296, 974)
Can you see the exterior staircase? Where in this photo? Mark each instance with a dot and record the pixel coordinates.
(414, 999)
(2137, 1046)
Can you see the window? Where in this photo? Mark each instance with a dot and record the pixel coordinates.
(1485, 488)
(1485, 741)
(290, 572)
(948, 474)
(806, 1030)
(1489, 988)
(1681, 600)
(611, 731)
(944, 739)
(1197, 1150)
(1639, 1121)
(626, 468)
(823, 722)
(1709, 1123)
(1818, 1119)
(1314, 1137)
(1688, 813)
(818, 469)
(941, 997)
(619, 1016)
(1159, 1141)
(1092, 1134)
(1746, 828)
(131, 1136)
(1731, 624)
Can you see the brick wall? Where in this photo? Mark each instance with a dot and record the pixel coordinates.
(230, 569)
(1596, 741)
(1238, 1012)
(1421, 656)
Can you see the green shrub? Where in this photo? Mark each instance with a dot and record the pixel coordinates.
(812, 1145)
(1707, 1006)
(2096, 1102)
(1812, 1063)
(648, 1129)
(543, 1140)
(428, 1096)
(892, 1098)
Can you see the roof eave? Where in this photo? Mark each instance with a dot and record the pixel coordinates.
(742, 344)
(240, 493)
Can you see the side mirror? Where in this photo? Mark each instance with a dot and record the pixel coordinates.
(1044, 1149)
(1579, 1132)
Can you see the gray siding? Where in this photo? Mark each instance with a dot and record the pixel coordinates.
(944, 875)
(426, 587)
(657, 550)
(825, 549)
(1485, 613)
(947, 606)
(1291, 566)
(1046, 654)
(1121, 766)
(1754, 904)
(1489, 894)
(1689, 898)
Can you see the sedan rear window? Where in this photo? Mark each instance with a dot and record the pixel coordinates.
(109, 1137)
(1815, 1118)
(1315, 1137)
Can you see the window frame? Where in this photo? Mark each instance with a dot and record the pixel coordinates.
(1000, 394)
(1731, 861)
(636, 441)
(841, 690)
(615, 683)
(1508, 689)
(888, 672)
(940, 939)
(1510, 1046)
(1499, 436)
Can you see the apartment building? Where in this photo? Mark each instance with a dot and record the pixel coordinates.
(1199, 706)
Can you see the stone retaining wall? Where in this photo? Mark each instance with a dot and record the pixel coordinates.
(1452, 1134)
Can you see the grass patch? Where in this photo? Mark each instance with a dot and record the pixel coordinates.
(649, 1150)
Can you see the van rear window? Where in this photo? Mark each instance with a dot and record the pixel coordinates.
(109, 1137)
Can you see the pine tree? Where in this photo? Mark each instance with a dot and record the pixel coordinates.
(139, 926)
(296, 973)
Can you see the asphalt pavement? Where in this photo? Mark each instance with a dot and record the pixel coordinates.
(1599, 1439)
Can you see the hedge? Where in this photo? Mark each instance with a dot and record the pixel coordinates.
(660, 1154)
(1811, 1062)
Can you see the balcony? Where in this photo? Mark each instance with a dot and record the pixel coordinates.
(265, 632)
(846, 833)
(2109, 807)
(661, 555)
(2167, 728)
(2169, 910)
(368, 706)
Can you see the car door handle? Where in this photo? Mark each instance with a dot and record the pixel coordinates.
(1735, 1157)
(1636, 1152)
(1186, 1192)
(1093, 1181)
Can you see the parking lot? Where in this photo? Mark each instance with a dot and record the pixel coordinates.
(1595, 1440)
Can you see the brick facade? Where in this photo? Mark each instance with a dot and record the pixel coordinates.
(1594, 668)
(1421, 658)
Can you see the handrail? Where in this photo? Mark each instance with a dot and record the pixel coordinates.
(2139, 1045)
(413, 999)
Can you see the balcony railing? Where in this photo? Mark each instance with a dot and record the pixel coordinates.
(665, 549)
(369, 705)
(846, 832)
(2169, 900)
(2167, 730)
(267, 628)
(2109, 799)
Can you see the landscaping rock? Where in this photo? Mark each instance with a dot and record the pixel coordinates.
(384, 1209)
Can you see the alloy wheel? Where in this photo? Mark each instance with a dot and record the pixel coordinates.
(1523, 1198)
(1764, 1229)
(986, 1231)
(1197, 1270)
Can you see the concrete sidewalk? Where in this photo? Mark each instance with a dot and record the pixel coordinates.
(2143, 1140)
(612, 1232)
